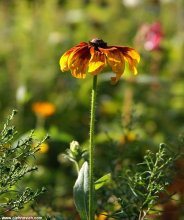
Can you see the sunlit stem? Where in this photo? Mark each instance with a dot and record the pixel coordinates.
(91, 150)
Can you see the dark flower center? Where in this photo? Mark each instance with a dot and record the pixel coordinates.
(96, 42)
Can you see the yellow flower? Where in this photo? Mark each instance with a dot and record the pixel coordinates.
(131, 136)
(44, 147)
(101, 216)
(44, 109)
(94, 56)
(128, 137)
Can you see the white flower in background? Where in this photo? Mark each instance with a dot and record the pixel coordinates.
(22, 94)
(131, 3)
(55, 37)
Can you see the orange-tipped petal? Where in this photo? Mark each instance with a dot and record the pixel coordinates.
(64, 60)
(78, 62)
(134, 54)
(132, 64)
(130, 52)
(97, 61)
(131, 56)
(116, 61)
(79, 68)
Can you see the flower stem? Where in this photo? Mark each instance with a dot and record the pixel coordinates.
(91, 149)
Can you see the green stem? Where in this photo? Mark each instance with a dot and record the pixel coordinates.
(91, 150)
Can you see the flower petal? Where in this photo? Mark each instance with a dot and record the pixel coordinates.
(131, 56)
(65, 57)
(116, 61)
(78, 62)
(97, 61)
(63, 62)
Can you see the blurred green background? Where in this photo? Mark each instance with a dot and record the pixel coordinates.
(135, 115)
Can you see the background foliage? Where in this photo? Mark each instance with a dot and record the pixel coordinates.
(135, 115)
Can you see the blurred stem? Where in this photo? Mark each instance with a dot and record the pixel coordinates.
(40, 122)
(76, 166)
(142, 215)
(91, 149)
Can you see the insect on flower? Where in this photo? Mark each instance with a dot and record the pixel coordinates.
(93, 56)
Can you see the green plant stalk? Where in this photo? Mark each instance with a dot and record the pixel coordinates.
(91, 149)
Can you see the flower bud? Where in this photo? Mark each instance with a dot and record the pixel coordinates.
(74, 146)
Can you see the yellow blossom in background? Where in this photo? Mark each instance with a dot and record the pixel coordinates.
(131, 136)
(102, 216)
(44, 147)
(128, 137)
(43, 109)
(95, 55)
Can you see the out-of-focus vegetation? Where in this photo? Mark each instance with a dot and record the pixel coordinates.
(135, 115)
(15, 160)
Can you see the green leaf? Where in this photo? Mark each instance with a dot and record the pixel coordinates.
(102, 181)
(81, 191)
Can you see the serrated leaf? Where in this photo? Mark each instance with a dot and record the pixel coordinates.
(102, 181)
(81, 191)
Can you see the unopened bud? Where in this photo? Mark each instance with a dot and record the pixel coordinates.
(74, 146)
